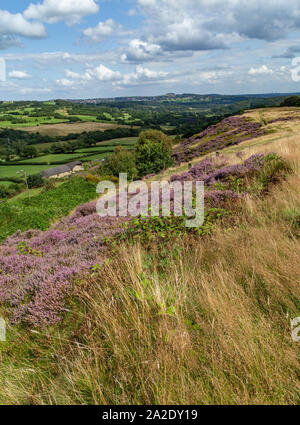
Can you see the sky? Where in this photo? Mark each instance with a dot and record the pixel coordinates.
(75, 49)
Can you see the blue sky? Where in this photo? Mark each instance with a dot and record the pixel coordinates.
(107, 48)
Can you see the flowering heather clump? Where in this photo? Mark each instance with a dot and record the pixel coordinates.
(216, 197)
(230, 131)
(255, 162)
(36, 285)
(282, 119)
(207, 172)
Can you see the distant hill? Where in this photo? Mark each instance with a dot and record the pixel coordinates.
(206, 99)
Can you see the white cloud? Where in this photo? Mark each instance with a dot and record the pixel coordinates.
(260, 70)
(209, 77)
(144, 75)
(19, 75)
(140, 51)
(101, 73)
(16, 24)
(102, 30)
(64, 82)
(52, 11)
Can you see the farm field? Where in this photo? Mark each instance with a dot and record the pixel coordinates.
(122, 141)
(11, 170)
(66, 128)
(52, 158)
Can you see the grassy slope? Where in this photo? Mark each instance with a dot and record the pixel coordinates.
(45, 207)
(203, 322)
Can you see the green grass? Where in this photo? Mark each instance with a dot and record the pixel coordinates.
(11, 170)
(45, 207)
(53, 158)
(124, 141)
(97, 156)
(86, 118)
(6, 184)
(95, 149)
(8, 124)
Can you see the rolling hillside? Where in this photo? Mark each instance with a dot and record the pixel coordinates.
(99, 314)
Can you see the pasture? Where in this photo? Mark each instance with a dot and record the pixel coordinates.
(11, 170)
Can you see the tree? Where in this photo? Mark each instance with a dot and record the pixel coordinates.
(29, 152)
(153, 152)
(121, 161)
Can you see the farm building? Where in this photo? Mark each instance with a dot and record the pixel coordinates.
(63, 170)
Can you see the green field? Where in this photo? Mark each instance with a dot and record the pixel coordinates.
(68, 157)
(123, 141)
(31, 122)
(97, 156)
(11, 170)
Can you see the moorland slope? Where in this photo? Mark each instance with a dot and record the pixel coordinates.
(161, 315)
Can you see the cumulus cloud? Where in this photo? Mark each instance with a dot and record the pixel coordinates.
(101, 73)
(52, 11)
(196, 25)
(102, 30)
(262, 70)
(141, 51)
(143, 75)
(187, 35)
(16, 24)
(19, 75)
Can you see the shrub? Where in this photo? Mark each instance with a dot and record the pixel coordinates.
(35, 180)
(92, 179)
(121, 161)
(49, 184)
(153, 152)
